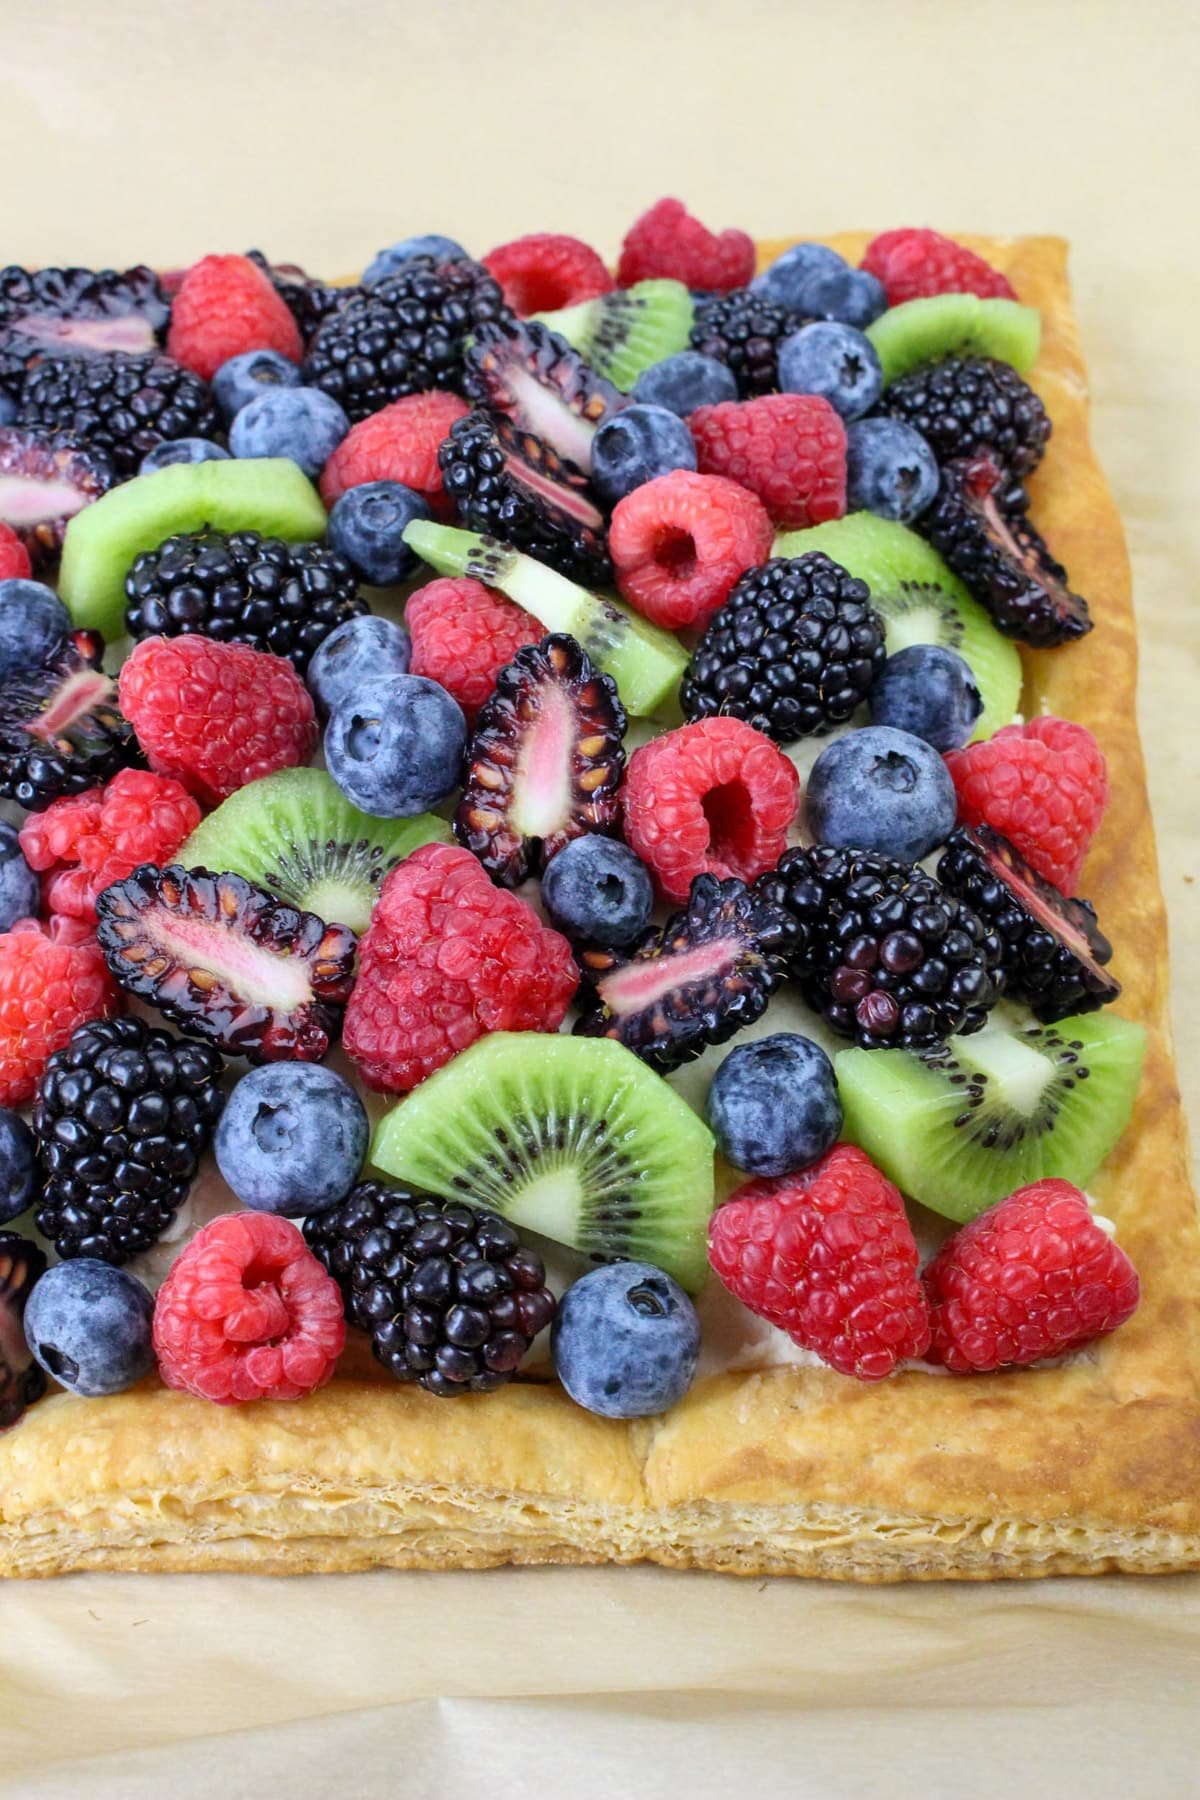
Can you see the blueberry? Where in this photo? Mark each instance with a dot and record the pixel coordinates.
(834, 361)
(596, 888)
(292, 1138)
(430, 243)
(243, 378)
(181, 450)
(853, 296)
(300, 423)
(395, 747)
(884, 790)
(626, 1341)
(636, 445)
(930, 692)
(19, 892)
(88, 1325)
(773, 1105)
(685, 381)
(8, 408)
(890, 469)
(18, 1166)
(367, 526)
(788, 278)
(33, 622)
(364, 649)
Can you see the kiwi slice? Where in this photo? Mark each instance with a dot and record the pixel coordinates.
(922, 602)
(960, 1126)
(297, 835)
(919, 331)
(646, 662)
(267, 494)
(570, 1137)
(622, 333)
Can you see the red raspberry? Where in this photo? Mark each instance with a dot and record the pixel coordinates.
(225, 306)
(216, 715)
(680, 542)
(14, 557)
(547, 270)
(85, 843)
(248, 1313)
(1043, 785)
(716, 797)
(463, 634)
(789, 449)
(398, 443)
(828, 1256)
(446, 958)
(52, 979)
(1034, 1276)
(913, 264)
(668, 241)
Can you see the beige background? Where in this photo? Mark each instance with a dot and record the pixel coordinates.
(161, 129)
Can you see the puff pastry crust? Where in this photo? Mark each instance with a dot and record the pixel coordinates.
(1077, 1469)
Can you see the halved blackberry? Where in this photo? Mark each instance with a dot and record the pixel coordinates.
(882, 952)
(22, 1263)
(532, 376)
(449, 1295)
(45, 479)
(78, 312)
(1052, 950)
(744, 330)
(403, 335)
(703, 975)
(508, 484)
(242, 588)
(61, 730)
(122, 1115)
(793, 651)
(545, 761)
(967, 404)
(123, 405)
(227, 962)
(1001, 557)
(309, 300)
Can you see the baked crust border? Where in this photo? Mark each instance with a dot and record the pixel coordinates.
(1078, 1469)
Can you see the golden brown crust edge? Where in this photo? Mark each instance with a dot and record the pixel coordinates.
(1090, 1467)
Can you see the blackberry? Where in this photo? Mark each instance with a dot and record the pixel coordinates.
(22, 1264)
(404, 335)
(122, 1116)
(1052, 950)
(744, 330)
(242, 589)
(1000, 557)
(448, 1294)
(883, 953)
(964, 404)
(122, 405)
(85, 312)
(61, 730)
(733, 944)
(309, 301)
(45, 479)
(793, 651)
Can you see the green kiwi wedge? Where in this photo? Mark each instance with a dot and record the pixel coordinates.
(646, 662)
(920, 331)
(570, 1137)
(622, 333)
(961, 1126)
(268, 494)
(297, 835)
(921, 601)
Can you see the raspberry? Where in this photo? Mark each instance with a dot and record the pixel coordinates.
(463, 634)
(225, 306)
(668, 241)
(398, 443)
(14, 557)
(712, 798)
(447, 957)
(214, 715)
(547, 270)
(828, 1256)
(789, 449)
(52, 979)
(679, 543)
(85, 843)
(248, 1313)
(1033, 1276)
(913, 264)
(1043, 786)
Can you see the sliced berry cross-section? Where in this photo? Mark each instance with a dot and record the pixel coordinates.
(45, 479)
(77, 312)
(61, 730)
(532, 376)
